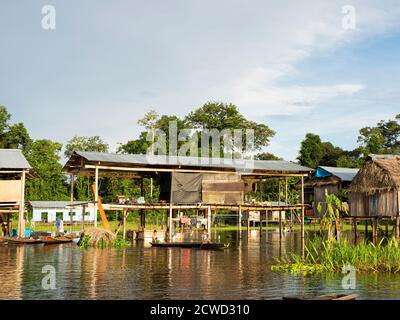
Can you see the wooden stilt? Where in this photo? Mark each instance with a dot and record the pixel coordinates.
(280, 225)
(96, 194)
(261, 222)
(170, 224)
(355, 229)
(124, 224)
(302, 216)
(142, 211)
(248, 223)
(83, 216)
(21, 225)
(397, 227)
(374, 229)
(240, 222)
(71, 210)
(366, 228)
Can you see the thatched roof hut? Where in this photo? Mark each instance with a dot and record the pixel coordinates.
(379, 173)
(375, 189)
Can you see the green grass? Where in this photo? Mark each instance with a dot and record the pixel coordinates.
(331, 256)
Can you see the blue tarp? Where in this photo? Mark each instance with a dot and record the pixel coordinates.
(321, 173)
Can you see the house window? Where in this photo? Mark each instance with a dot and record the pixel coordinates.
(373, 203)
(44, 217)
(59, 215)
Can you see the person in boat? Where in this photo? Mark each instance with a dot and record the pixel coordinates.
(205, 237)
(154, 237)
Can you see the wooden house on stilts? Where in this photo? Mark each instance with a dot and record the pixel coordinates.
(375, 190)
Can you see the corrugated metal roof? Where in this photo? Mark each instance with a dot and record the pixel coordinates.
(345, 174)
(263, 165)
(13, 159)
(52, 204)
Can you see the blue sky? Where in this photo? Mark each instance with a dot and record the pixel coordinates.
(288, 64)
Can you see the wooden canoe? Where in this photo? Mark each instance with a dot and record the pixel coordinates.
(191, 245)
(351, 296)
(10, 240)
(55, 240)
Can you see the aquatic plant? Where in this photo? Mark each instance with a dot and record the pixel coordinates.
(333, 255)
(101, 238)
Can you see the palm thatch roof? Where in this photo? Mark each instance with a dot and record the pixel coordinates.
(380, 173)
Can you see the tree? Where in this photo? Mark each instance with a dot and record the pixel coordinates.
(266, 156)
(48, 181)
(12, 136)
(311, 151)
(81, 143)
(222, 116)
(382, 138)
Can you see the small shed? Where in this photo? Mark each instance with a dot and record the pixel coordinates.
(49, 211)
(13, 170)
(325, 180)
(375, 190)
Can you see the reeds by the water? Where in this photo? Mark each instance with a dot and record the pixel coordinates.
(101, 238)
(333, 255)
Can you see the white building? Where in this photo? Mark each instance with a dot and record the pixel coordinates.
(49, 211)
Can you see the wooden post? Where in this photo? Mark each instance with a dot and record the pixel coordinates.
(366, 228)
(286, 191)
(248, 223)
(374, 229)
(302, 216)
(21, 225)
(261, 222)
(96, 194)
(355, 229)
(142, 211)
(209, 216)
(280, 225)
(397, 227)
(71, 210)
(83, 216)
(124, 224)
(398, 216)
(170, 224)
(240, 222)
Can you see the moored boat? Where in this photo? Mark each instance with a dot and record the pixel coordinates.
(11, 240)
(351, 296)
(55, 240)
(193, 245)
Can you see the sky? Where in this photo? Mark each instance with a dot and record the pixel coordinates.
(291, 65)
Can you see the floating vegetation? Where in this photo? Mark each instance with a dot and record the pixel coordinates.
(333, 255)
(101, 238)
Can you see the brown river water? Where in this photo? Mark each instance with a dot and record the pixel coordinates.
(243, 271)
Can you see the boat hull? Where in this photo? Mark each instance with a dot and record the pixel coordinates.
(352, 296)
(190, 245)
(21, 241)
(54, 240)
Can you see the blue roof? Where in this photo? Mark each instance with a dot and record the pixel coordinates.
(344, 174)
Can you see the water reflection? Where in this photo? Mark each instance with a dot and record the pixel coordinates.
(143, 272)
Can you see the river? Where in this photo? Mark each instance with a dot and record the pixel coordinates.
(243, 271)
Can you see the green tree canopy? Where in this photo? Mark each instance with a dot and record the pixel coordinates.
(311, 151)
(81, 143)
(12, 136)
(48, 182)
(382, 138)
